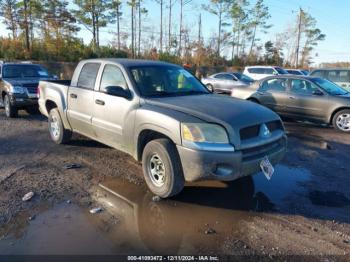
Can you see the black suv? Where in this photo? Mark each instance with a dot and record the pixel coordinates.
(18, 86)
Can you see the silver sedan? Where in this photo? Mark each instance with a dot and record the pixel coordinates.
(224, 82)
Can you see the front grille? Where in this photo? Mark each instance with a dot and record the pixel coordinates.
(253, 131)
(262, 151)
(32, 87)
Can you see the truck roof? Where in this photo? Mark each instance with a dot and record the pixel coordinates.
(129, 62)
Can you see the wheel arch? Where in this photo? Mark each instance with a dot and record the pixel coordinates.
(330, 120)
(147, 135)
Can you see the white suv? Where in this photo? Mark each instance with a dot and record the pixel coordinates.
(260, 72)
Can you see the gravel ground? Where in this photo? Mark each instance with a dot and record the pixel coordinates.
(303, 210)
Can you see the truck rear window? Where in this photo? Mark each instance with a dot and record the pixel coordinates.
(88, 74)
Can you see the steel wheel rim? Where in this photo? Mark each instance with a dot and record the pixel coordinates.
(156, 170)
(343, 122)
(7, 106)
(54, 127)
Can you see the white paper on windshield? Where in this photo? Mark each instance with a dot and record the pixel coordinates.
(42, 73)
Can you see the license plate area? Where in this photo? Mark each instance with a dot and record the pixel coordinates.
(267, 168)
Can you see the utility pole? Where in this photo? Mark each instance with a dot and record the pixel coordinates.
(180, 37)
(200, 28)
(169, 28)
(298, 42)
(161, 27)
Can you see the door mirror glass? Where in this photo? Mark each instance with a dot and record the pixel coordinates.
(118, 91)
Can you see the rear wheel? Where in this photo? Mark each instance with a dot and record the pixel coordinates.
(341, 121)
(162, 168)
(58, 133)
(10, 110)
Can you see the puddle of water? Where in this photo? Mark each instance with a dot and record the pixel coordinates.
(134, 224)
(284, 182)
(63, 229)
(328, 198)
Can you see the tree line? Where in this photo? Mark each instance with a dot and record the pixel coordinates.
(47, 30)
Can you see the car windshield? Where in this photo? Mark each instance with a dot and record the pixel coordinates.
(281, 71)
(163, 80)
(20, 71)
(329, 87)
(243, 77)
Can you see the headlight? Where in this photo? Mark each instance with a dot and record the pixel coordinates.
(204, 133)
(17, 90)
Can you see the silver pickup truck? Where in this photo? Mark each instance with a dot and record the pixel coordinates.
(163, 116)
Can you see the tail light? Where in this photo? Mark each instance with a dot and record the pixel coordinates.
(38, 92)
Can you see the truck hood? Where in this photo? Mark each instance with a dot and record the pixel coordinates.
(232, 113)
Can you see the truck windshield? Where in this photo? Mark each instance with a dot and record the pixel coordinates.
(329, 87)
(162, 80)
(20, 71)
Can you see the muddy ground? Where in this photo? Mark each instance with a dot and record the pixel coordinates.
(303, 210)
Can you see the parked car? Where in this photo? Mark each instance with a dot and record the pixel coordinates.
(18, 86)
(224, 82)
(340, 76)
(302, 97)
(299, 72)
(164, 117)
(260, 72)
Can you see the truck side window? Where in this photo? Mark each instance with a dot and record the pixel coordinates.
(88, 75)
(112, 76)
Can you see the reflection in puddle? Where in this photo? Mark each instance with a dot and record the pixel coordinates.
(173, 226)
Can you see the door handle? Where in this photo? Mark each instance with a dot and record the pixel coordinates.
(291, 97)
(73, 96)
(261, 93)
(100, 102)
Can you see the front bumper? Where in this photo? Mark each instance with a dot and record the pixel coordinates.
(23, 100)
(227, 166)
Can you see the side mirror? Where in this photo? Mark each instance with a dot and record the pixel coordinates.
(317, 93)
(118, 91)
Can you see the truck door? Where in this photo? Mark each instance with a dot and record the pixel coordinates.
(81, 99)
(109, 111)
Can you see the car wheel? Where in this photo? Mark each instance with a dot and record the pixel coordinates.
(10, 110)
(58, 133)
(341, 121)
(33, 110)
(210, 87)
(162, 168)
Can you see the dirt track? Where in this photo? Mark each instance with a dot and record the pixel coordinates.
(304, 209)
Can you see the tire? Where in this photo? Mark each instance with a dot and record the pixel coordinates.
(10, 110)
(58, 133)
(210, 88)
(33, 110)
(162, 168)
(341, 121)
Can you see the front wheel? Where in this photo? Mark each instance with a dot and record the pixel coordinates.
(10, 110)
(58, 133)
(210, 88)
(341, 121)
(162, 168)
